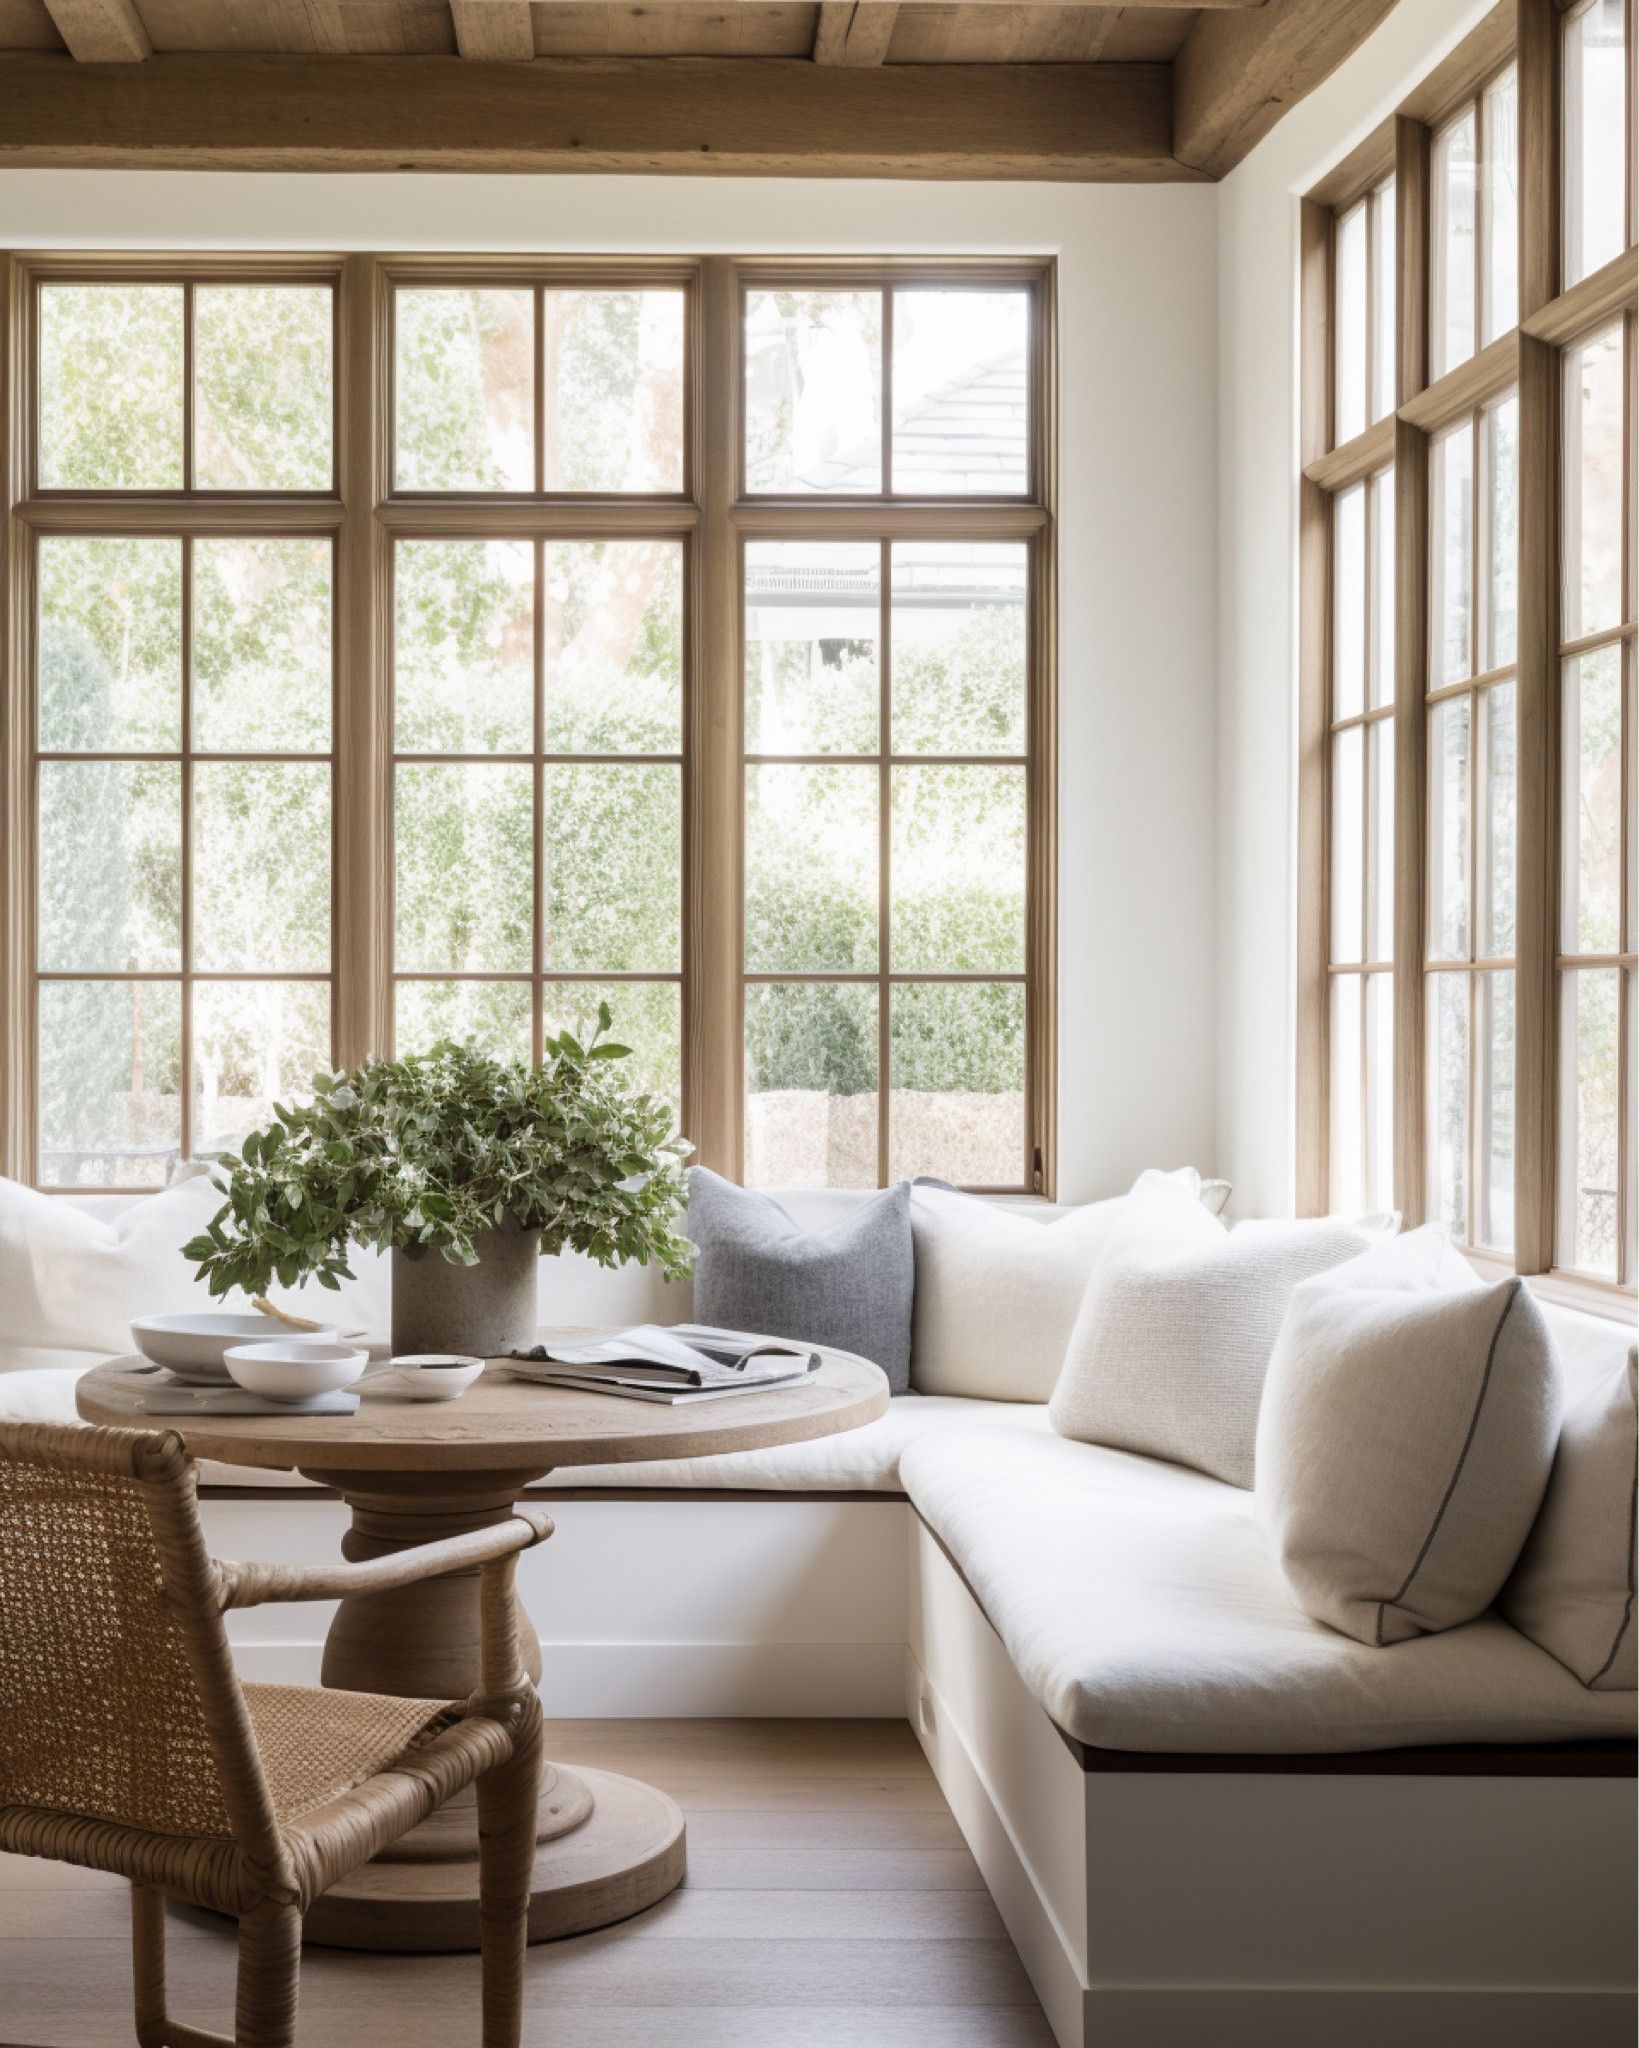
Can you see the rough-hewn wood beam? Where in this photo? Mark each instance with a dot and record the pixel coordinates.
(101, 31)
(1087, 122)
(854, 31)
(501, 32)
(1238, 72)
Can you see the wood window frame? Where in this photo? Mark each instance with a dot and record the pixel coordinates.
(1527, 33)
(366, 515)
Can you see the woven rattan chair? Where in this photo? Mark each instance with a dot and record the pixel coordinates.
(128, 1744)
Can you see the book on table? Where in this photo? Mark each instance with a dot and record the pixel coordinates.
(692, 1362)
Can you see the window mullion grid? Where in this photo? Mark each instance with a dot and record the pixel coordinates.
(884, 831)
(537, 849)
(185, 1106)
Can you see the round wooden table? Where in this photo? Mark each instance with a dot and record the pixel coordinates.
(411, 1471)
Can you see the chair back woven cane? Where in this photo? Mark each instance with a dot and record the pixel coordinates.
(117, 1697)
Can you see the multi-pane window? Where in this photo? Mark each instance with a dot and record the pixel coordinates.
(1363, 313)
(1474, 233)
(1596, 222)
(1473, 797)
(183, 713)
(888, 737)
(1599, 901)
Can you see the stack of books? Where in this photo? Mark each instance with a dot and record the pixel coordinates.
(647, 1363)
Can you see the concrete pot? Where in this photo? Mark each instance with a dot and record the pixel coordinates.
(484, 1311)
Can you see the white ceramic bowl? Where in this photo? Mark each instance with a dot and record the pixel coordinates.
(295, 1367)
(195, 1346)
(433, 1375)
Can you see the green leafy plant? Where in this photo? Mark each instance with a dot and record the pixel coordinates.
(425, 1154)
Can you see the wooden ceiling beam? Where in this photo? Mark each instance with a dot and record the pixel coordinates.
(1236, 73)
(854, 31)
(101, 31)
(747, 115)
(501, 33)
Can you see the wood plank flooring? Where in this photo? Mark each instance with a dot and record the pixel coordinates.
(830, 1903)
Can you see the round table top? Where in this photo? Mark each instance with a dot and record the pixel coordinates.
(503, 1424)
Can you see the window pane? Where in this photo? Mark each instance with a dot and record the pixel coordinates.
(464, 646)
(1592, 864)
(614, 391)
(111, 387)
(813, 621)
(957, 870)
(1448, 1102)
(1350, 313)
(647, 1016)
(110, 646)
(1380, 1079)
(1349, 602)
(961, 409)
(813, 391)
(1590, 1121)
(811, 1085)
(1347, 1138)
(957, 1065)
(1451, 599)
(614, 646)
(1496, 878)
(465, 858)
(1593, 486)
(1448, 830)
(262, 387)
(1348, 844)
(811, 869)
(1383, 643)
(959, 648)
(1453, 236)
(1593, 73)
(1499, 436)
(612, 857)
(110, 1083)
(1494, 1101)
(493, 1015)
(1380, 932)
(465, 410)
(1501, 116)
(110, 866)
(255, 1043)
(263, 673)
(261, 865)
(1384, 286)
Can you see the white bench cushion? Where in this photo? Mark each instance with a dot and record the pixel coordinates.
(1142, 1607)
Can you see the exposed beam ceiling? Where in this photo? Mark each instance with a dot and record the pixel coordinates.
(854, 31)
(101, 31)
(498, 29)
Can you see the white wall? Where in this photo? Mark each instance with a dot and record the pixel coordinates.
(1258, 207)
(1136, 544)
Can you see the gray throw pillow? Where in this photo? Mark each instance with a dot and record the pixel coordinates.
(851, 1286)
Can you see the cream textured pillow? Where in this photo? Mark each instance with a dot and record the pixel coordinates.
(1168, 1354)
(1408, 1426)
(1572, 1591)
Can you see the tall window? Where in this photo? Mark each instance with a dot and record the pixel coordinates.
(424, 647)
(1475, 235)
(1594, 75)
(1363, 312)
(183, 714)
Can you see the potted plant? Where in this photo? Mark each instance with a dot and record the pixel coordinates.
(465, 1169)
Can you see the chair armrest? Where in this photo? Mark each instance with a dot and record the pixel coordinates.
(250, 1585)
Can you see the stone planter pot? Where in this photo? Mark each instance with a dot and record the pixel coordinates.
(484, 1311)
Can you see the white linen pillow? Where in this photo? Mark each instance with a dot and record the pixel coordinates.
(1169, 1351)
(1572, 1591)
(997, 1290)
(1408, 1426)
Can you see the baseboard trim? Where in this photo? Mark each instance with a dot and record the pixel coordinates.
(1355, 2016)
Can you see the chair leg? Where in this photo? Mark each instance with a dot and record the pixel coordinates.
(507, 1798)
(270, 1960)
(148, 1964)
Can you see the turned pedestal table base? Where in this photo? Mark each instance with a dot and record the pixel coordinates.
(411, 1472)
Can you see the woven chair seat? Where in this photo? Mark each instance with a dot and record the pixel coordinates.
(317, 1743)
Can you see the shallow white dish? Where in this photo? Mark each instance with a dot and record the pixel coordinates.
(194, 1346)
(432, 1376)
(295, 1367)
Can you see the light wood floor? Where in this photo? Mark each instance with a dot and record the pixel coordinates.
(830, 1903)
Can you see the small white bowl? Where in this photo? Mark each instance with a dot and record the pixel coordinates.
(195, 1346)
(295, 1368)
(433, 1375)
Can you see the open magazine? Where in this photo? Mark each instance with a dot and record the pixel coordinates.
(647, 1363)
